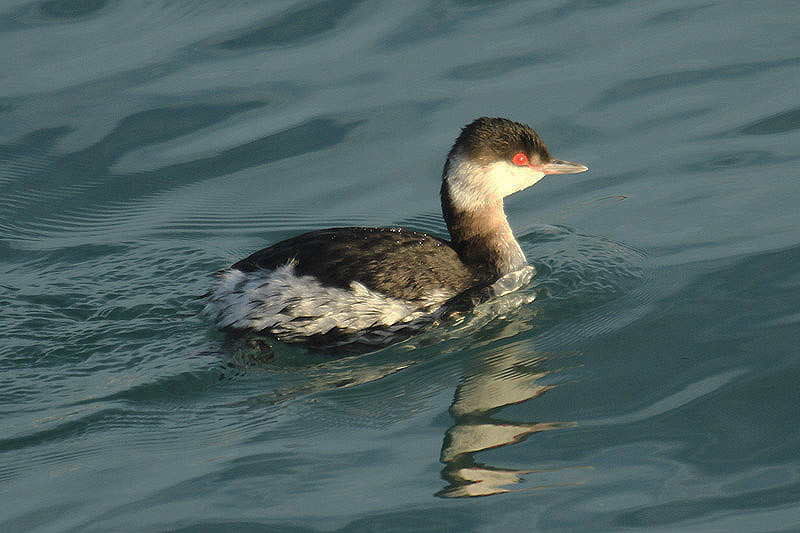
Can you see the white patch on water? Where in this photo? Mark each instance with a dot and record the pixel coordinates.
(513, 280)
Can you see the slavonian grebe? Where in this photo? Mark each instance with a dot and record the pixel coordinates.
(373, 286)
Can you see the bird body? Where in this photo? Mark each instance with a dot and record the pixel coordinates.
(373, 286)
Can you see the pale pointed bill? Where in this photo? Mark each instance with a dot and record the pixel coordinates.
(557, 166)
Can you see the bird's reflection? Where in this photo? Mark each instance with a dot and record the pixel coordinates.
(510, 376)
(500, 373)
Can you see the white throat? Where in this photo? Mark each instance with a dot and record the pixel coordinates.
(473, 185)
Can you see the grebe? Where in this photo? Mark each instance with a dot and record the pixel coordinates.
(374, 286)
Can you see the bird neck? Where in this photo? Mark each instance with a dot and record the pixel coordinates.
(481, 235)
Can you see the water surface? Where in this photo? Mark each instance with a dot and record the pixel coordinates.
(651, 384)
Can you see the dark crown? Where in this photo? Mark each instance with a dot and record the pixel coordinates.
(490, 139)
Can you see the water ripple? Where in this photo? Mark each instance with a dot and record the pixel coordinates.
(662, 82)
(779, 123)
(293, 26)
(65, 10)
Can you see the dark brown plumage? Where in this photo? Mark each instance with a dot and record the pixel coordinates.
(396, 262)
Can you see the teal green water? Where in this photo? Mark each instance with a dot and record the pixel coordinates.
(650, 386)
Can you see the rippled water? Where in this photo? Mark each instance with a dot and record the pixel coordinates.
(650, 385)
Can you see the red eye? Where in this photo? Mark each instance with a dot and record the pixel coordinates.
(520, 159)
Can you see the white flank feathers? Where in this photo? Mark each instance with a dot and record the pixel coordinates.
(292, 307)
